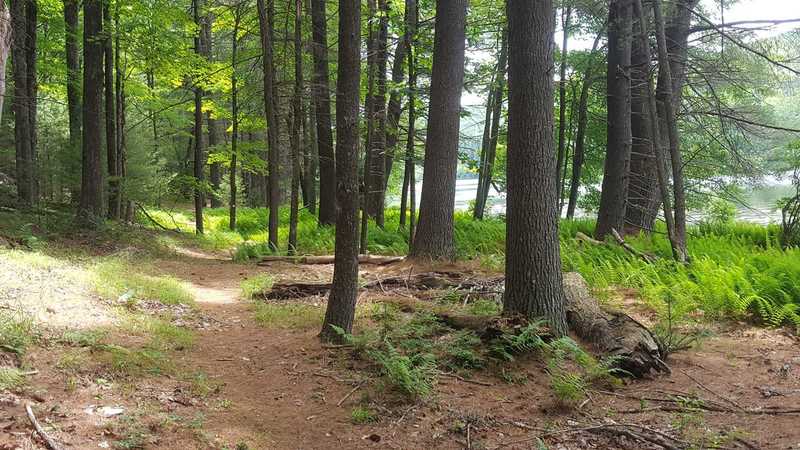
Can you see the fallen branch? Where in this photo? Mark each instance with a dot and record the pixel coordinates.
(329, 259)
(350, 393)
(49, 442)
(154, 221)
(647, 258)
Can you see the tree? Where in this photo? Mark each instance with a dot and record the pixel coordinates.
(297, 123)
(237, 17)
(611, 215)
(566, 16)
(24, 128)
(408, 196)
(374, 193)
(112, 152)
(5, 47)
(199, 148)
(90, 208)
(342, 301)
(322, 109)
(533, 262)
(494, 109)
(434, 235)
(265, 22)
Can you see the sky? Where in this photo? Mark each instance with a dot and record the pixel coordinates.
(741, 10)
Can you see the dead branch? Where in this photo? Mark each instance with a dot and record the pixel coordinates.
(49, 442)
(329, 259)
(647, 258)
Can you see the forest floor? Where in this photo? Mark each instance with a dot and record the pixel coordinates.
(223, 378)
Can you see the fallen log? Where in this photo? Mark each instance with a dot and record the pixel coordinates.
(614, 333)
(329, 259)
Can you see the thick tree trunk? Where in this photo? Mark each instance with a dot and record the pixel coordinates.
(533, 264)
(266, 25)
(677, 36)
(394, 110)
(562, 103)
(112, 152)
(297, 124)
(215, 169)
(614, 333)
(580, 134)
(342, 301)
(487, 169)
(32, 85)
(90, 209)
(642, 204)
(611, 214)
(119, 114)
(369, 113)
(322, 108)
(25, 161)
(434, 235)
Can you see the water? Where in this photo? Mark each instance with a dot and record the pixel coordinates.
(757, 204)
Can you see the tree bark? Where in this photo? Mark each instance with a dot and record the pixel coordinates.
(25, 159)
(322, 108)
(487, 169)
(199, 148)
(90, 209)
(434, 235)
(394, 110)
(215, 169)
(297, 124)
(618, 151)
(234, 120)
(5, 47)
(580, 134)
(112, 152)
(533, 264)
(409, 183)
(342, 301)
(369, 115)
(562, 103)
(266, 25)
(31, 54)
(375, 190)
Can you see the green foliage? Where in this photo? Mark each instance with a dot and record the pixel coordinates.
(17, 332)
(361, 415)
(289, 315)
(115, 277)
(11, 378)
(255, 286)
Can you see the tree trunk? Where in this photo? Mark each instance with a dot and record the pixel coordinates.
(234, 120)
(25, 162)
(119, 116)
(5, 47)
(297, 124)
(611, 214)
(31, 54)
(375, 190)
(369, 113)
(411, 21)
(199, 148)
(342, 301)
(677, 36)
(487, 170)
(394, 110)
(434, 236)
(533, 264)
(215, 169)
(562, 103)
(90, 209)
(665, 72)
(114, 201)
(642, 204)
(266, 24)
(322, 108)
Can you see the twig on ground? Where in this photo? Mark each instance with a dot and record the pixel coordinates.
(707, 389)
(352, 391)
(49, 442)
(465, 380)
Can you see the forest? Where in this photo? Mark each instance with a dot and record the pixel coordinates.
(406, 224)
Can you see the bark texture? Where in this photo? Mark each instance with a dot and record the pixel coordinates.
(322, 109)
(611, 214)
(90, 208)
(533, 264)
(265, 21)
(342, 301)
(434, 234)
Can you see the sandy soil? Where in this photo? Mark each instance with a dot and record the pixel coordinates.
(281, 389)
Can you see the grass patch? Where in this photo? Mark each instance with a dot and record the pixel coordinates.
(361, 415)
(296, 316)
(255, 286)
(116, 277)
(11, 378)
(17, 332)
